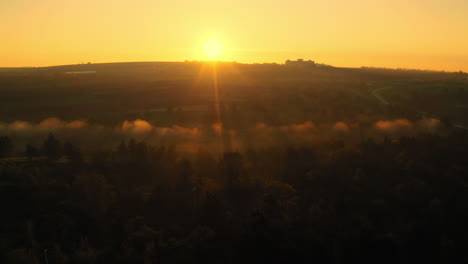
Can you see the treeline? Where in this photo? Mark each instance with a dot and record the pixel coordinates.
(402, 200)
(51, 149)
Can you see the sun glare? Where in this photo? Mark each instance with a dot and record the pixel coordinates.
(213, 49)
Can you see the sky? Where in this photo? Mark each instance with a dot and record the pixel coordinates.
(422, 34)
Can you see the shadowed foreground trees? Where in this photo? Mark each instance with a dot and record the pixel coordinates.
(398, 201)
(6, 146)
(52, 148)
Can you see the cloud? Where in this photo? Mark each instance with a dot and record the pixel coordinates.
(341, 126)
(259, 135)
(46, 125)
(298, 127)
(77, 124)
(20, 126)
(51, 123)
(393, 125)
(138, 126)
(217, 128)
(178, 131)
(430, 123)
(232, 132)
(263, 127)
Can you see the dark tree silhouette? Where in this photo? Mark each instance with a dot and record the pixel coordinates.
(122, 151)
(72, 153)
(52, 148)
(402, 198)
(6, 146)
(31, 151)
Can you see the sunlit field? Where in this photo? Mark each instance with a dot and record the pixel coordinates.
(189, 100)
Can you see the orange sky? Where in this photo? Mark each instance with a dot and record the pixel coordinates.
(425, 34)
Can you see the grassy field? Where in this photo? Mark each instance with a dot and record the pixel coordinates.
(155, 91)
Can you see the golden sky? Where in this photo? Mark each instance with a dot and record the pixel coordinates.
(425, 34)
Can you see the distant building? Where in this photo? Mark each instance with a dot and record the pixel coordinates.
(300, 63)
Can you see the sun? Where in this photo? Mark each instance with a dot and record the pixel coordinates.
(213, 49)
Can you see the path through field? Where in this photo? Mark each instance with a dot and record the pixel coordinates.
(376, 93)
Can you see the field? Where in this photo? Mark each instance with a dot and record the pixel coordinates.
(241, 97)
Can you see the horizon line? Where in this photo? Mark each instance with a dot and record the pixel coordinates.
(235, 62)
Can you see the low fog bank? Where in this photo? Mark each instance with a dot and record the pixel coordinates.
(91, 136)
